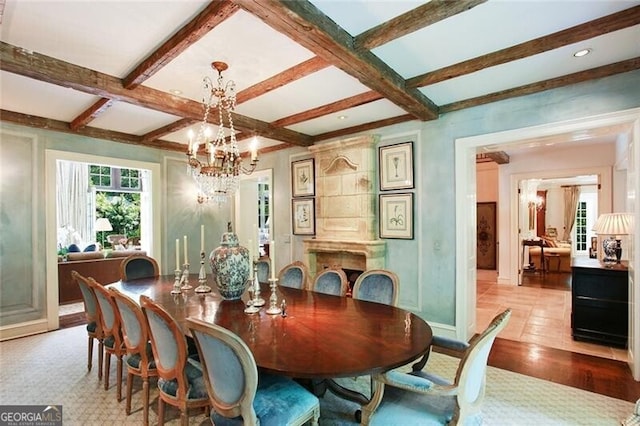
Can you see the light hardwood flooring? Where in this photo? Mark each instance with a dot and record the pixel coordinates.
(539, 315)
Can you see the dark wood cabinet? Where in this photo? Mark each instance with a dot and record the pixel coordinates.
(600, 302)
(104, 271)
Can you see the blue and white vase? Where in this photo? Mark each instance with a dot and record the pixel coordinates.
(230, 266)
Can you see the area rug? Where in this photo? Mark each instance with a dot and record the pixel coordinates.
(51, 369)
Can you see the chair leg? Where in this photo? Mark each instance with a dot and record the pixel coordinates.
(100, 357)
(90, 353)
(160, 411)
(119, 379)
(107, 369)
(184, 417)
(145, 399)
(129, 391)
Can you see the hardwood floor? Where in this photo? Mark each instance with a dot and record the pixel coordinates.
(538, 341)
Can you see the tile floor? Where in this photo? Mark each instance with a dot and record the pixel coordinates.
(539, 315)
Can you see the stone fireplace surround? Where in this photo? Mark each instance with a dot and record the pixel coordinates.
(346, 221)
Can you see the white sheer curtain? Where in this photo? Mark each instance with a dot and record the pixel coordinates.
(73, 199)
(571, 197)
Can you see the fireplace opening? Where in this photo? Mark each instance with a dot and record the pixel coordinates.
(352, 276)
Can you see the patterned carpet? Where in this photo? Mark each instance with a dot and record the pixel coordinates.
(51, 369)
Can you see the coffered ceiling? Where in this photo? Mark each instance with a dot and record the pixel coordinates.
(305, 71)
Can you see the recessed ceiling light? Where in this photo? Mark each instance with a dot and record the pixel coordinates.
(176, 91)
(581, 53)
(342, 117)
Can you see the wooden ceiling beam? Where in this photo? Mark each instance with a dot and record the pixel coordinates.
(287, 76)
(614, 22)
(91, 132)
(363, 127)
(169, 128)
(54, 71)
(215, 13)
(91, 113)
(303, 22)
(342, 104)
(565, 80)
(413, 20)
(500, 157)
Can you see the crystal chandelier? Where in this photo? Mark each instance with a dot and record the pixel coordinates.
(217, 172)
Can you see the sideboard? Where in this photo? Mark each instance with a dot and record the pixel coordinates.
(599, 302)
(104, 271)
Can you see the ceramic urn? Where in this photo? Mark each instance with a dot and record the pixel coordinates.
(230, 266)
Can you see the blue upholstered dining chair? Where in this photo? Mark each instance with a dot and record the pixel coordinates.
(238, 395)
(138, 266)
(424, 398)
(180, 382)
(263, 266)
(377, 285)
(331, 281)
(139, 360)
(113, 343)
(94, 329)
(294, 275)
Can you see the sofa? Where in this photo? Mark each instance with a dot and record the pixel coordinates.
(103, 266)
(552, 246)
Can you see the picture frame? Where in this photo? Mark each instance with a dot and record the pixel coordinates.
(303, 216)
(395, 163)
(396, 216)
(303, 182)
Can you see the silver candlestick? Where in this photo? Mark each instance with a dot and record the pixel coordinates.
(202, 277)
(185, 278)
(273, 299)
(176, 283)
(257, 300)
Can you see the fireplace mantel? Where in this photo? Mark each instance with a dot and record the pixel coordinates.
(356, 255)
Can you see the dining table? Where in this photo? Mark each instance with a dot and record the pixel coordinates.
(319, 336)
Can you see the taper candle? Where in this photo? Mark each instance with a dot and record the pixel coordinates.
(272, 255)
(186, 258)
(250, 244)
(201, 238)
(257, 235)
(177, 253)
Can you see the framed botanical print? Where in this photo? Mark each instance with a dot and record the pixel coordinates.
(396, 166)
(303, 178)
(396, 216)
(304, 216)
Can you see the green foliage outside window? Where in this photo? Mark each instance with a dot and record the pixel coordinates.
(122, 210)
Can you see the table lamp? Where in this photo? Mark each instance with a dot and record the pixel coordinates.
(103, 224)
(614, 225)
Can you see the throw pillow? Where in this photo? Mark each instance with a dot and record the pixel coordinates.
(90, 247)
(73, 248)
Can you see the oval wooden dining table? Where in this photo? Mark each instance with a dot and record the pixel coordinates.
(321, 337)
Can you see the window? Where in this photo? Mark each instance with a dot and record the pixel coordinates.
(115, 179)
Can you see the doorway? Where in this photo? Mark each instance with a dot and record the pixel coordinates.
(253, 218)
(622, 123)
(151, 215)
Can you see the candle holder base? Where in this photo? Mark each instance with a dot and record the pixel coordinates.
(176, 283)
(185, 278)
(251, 309)
(202, 277)
(273, 299)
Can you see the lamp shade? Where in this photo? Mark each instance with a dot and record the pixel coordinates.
(613, 224)
(103, 224)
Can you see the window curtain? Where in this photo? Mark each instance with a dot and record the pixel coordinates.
(571, 197)
(73, 196)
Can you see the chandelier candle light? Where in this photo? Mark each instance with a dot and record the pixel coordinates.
(217, 172)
